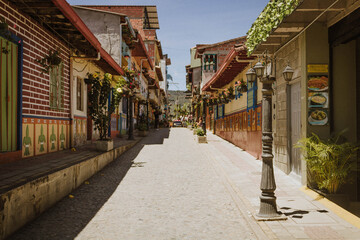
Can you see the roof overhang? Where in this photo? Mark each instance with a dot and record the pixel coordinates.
(151, 17)
(306, 13)
(201, 48)
(235, 62)
(139, 52)
(159, 73)
(58, 17)
(158, 43)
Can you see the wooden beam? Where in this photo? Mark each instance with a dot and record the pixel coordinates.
(279, 35)
(319, 10)
(288, 29)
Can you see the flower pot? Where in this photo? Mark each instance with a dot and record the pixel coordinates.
(201, 139)
(142, 133)
(104, 145)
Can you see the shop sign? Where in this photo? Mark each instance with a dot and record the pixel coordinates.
(318, 68)
(318, 94)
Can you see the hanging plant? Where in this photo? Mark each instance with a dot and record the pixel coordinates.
(50, 61)
(242, 87)
(4, 32)
(230, 93)
(269, 19)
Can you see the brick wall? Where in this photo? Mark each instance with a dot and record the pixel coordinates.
(37, 42)
(150, 34)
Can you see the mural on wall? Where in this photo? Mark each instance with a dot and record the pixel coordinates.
(79, 129)
(53, 137)
(40, 137)
(28, 140)
(258, 122)
(318, 94)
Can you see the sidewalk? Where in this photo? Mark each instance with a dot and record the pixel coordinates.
(17, 173)
(307, 217)
(170, 187)
(31, 186)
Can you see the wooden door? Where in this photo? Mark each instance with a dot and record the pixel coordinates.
(8, 95)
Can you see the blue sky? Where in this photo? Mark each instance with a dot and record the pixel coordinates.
(185, 23)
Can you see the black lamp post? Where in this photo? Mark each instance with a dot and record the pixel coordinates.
(204, 116)
(131, 120)
(268, 207)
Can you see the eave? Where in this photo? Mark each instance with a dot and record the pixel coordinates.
(235, 62)
(139, 51)
(159, 73)
(306, 13)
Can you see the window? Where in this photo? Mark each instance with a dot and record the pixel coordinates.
(210, 62)
(57, 87)
(79, 94)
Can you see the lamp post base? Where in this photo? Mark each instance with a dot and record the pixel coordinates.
(279, 217)
(268, 209)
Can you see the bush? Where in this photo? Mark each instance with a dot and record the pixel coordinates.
(200, 132)
(329, 162)
(142, 126)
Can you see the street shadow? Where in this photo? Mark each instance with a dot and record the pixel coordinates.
(296, 213)
(67, 218)
(157, 136)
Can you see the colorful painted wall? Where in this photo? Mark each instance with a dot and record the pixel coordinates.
(237, 121)
(44, 102)
(41, 136)
(81, 127)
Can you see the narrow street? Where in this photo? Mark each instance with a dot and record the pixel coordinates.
(170, 187)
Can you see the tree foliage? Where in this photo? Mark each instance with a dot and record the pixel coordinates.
(270, 18)
(103, 100)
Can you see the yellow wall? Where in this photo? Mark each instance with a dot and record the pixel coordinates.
(240, 104)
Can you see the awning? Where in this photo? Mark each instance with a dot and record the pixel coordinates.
(234, 63)
(307, 12)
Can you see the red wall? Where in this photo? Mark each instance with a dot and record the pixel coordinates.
(242, 129)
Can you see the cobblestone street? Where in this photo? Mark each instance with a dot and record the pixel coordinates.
(169, 187)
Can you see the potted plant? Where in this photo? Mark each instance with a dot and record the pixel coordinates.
(201, 138)
(100, 107)
(329, 163)
(142, 129)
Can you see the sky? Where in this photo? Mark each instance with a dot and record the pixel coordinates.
(185, 23)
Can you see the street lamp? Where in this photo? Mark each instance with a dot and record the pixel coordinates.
(259, 69)
(268, 207)
(251, 75)
(288, 73)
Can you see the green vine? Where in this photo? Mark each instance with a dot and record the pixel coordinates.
(100, 109)
(270, 18)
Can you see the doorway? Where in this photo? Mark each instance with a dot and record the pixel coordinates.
(295, 127)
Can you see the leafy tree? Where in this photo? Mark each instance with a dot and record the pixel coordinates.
(100, 108)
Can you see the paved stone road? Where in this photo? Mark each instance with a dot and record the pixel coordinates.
(169, 187)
